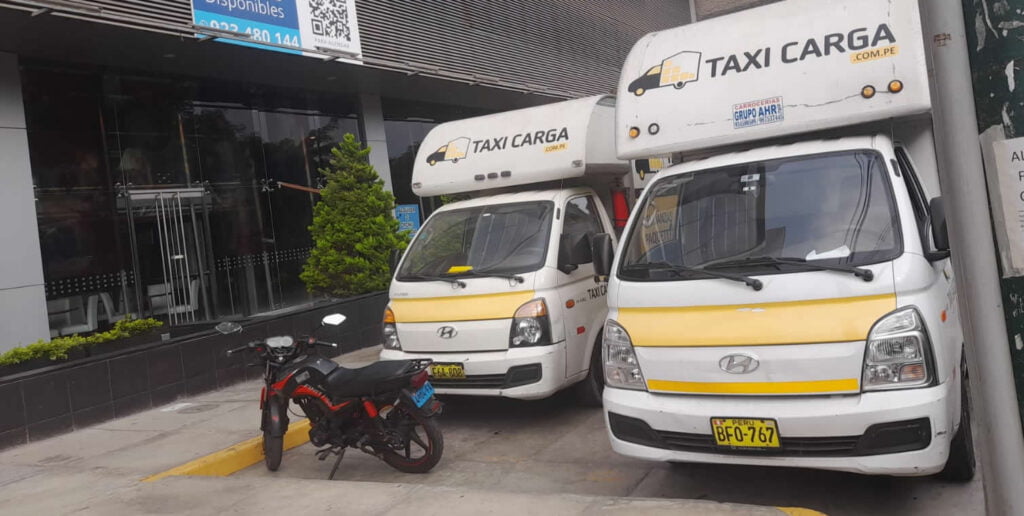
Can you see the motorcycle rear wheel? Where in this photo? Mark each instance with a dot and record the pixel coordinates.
(421, 433)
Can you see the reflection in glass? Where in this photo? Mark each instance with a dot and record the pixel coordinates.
(508, 238)
(832, 208)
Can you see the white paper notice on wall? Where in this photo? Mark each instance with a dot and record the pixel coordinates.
(1008, 160)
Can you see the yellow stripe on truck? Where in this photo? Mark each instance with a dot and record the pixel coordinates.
(797, 322)
(811, 387)
(459, 308)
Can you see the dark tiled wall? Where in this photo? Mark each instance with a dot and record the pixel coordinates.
(74, 395)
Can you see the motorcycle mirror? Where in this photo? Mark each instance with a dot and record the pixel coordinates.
(333, 320)
(228, 327)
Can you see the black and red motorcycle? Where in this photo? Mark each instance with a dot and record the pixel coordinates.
(385, 409)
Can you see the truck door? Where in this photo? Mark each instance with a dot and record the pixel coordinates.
(582, 301)
(942, 284)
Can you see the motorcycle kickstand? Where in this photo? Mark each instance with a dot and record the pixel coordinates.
(337, 463)
(336, 450)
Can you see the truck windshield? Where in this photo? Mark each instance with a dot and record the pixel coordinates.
(783, 215)
(504, 238)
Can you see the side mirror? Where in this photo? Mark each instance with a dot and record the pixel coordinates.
(228, 327)
(940, 228)
(573, 251)
(603, 252)
(394, 258)
(333, 320)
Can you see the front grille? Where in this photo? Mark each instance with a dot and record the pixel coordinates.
(883, 438)
(472, 381)
(790, 446)
(515, 377)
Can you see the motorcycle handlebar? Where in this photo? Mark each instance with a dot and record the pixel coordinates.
(242, 348)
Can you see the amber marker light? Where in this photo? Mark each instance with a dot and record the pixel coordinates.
(867, 91)
(895, 86)
(634, 132)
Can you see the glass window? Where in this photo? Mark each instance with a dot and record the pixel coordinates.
(581, 217)
(508, 238)
(834, 208)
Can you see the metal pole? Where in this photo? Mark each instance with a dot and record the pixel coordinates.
(693, 11)
(961, 174)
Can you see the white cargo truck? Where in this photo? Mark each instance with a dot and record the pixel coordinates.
(783, 296)
(498, 290)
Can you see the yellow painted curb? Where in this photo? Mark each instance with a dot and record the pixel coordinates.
(800, 511)
(235, 458)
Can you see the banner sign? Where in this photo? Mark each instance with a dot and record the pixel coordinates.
(306, 25)
(408, 216)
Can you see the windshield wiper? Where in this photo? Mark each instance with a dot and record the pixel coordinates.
(860, 272)
(423, 277)
(679, 270)
(487, 274)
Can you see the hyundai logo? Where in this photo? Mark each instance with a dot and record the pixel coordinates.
(447, 332)
(738, 363)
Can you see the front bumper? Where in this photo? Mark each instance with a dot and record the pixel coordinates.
(499, 373)
(812, 419)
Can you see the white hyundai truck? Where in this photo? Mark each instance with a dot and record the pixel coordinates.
(499, 290)
(783, 296)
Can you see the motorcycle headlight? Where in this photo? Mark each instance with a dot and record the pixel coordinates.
(390, 331)
(621, 368)
(898, 353)
(530, 325)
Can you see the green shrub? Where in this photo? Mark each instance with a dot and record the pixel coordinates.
(58, 348)
(354, 231)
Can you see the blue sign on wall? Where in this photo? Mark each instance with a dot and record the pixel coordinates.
(308, 26)
(408, 216)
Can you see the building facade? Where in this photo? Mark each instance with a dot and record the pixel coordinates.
(156, 164)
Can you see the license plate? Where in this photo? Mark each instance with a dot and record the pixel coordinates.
(425, 393)
(745, 433)
(447, 371)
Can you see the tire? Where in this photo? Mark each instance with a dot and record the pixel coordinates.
(961, 465)
(456, 160)
(679, 85)
(639, 92)
(427, 430)
(432, 162)
(590, 390)
(273, 448)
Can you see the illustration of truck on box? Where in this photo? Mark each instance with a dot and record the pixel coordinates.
(452, 151)
(676, 70)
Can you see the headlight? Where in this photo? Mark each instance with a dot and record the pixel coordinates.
(898, 353)
(530, 325)
(390, 331)
(621, 368)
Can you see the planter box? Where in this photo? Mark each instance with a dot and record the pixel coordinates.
(146, 370)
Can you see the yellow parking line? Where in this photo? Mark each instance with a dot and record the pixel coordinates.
(236, 457)
(800, 511)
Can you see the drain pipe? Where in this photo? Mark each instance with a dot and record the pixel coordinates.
(998, 435)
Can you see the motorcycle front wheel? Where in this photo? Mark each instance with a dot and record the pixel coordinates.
(417, 442)
(273, 447)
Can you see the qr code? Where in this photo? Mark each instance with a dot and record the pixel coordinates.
(330, 18)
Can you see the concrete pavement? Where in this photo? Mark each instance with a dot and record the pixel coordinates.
(98, 470)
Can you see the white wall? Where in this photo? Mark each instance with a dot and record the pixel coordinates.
(372, 120)
(22, 296)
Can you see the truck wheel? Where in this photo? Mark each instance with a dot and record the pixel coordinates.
(432, 162)
(590, 390)
(679, 85)
(455, 160)
(960, 466)
(639, 92)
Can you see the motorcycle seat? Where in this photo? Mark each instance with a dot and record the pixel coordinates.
(386, 375)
